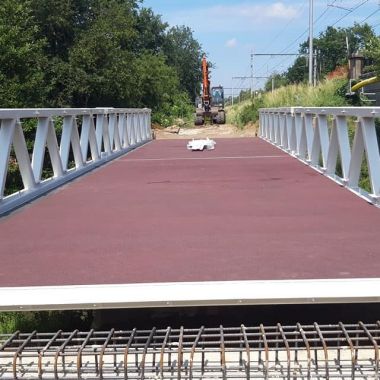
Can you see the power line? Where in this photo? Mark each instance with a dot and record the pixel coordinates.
(314, 23)
(374, 12)
(300, 36)
(350, 11)
(299, 10)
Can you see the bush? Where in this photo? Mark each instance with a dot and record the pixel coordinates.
(250, 112)
(177, 107)
(44, 321)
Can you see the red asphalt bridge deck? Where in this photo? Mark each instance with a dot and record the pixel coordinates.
(245, 211)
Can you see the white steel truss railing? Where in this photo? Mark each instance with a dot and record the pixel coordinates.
(93, 135)
(318, 136)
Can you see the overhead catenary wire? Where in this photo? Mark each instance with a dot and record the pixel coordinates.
(299, 10)
(373, 13)
(349, 11)
(298, 38)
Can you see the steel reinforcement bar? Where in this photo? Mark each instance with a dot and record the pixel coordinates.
(332, 140)
(89, 137)
(343, 351)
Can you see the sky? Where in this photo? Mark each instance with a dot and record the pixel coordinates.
(229, 31)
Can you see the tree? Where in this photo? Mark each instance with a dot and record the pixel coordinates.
(60, 21)
(93, 53)
(373, 53)
(184, 53)
(151, 32)
(157, 82)
(332, 47)
(332, 50)
(101, 67)
(298, 72)
(21, 56)
(278, 80)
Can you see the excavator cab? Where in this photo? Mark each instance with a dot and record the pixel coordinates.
(217, 97)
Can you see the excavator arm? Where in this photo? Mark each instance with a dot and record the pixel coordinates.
(206, 98)
(212, 109)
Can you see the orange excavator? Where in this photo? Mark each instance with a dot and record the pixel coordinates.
(210, 107)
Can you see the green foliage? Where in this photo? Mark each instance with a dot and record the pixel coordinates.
(278, 80)
(250, 112)
(89, 53)
(44, 321)
(298, 72)
(173, 109)
(332, 50)
(21, 57)
(328, 93)
(373, 52)
(184, 53)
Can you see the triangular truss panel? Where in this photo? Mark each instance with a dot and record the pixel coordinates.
(322, 138)
(89, 138)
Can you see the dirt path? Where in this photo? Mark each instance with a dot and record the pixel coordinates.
(211, 131)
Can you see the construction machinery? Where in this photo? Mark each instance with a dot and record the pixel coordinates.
(210, 107)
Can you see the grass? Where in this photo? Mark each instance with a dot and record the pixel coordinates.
(329, 93)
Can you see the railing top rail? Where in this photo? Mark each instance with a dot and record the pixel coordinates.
(333, 111)
(13, 113)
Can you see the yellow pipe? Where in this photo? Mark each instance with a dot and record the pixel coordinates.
(365, 82)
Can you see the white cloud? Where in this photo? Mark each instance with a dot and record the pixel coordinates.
(240, 16)
(258, 12)
(231, 43)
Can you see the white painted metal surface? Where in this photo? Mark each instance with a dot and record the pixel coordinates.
(95, 136)
(318, 136)
(201, 144)
(189, 294)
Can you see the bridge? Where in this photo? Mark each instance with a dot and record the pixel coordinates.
(135, 222)
(124, 221)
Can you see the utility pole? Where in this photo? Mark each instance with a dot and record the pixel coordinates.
(251, 73)
(311, 58)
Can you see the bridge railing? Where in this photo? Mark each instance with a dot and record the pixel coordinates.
(327, 138)
(73, 141)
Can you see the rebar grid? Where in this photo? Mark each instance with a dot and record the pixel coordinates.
(343, 351)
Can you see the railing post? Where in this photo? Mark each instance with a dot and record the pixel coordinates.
(131, 128)
(88, 138)
(365, 140)
(306, 136)
(282, 116)
(7, 129)
(372, 148)
(22, 156)
(138, 129)
(288, 130)
(339, 143)
(297, 131)
(277, 133)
